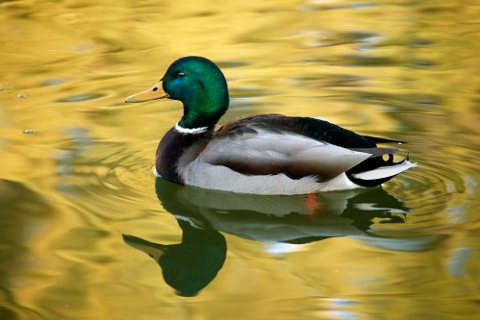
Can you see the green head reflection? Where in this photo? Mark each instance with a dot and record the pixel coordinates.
(190, 265)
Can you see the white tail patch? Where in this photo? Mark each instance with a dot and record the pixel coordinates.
(385, 172)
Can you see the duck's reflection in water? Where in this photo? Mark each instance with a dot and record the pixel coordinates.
(190, 265)
(203, 214)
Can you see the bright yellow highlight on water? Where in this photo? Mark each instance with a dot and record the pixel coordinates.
(76, 161)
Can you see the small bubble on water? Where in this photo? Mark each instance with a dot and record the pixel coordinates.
(22, 95)
(29, 131)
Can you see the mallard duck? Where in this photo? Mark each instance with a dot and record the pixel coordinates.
(259, 154)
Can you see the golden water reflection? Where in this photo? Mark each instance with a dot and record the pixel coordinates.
(76, 162)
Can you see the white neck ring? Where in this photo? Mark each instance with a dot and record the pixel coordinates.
(190, 131)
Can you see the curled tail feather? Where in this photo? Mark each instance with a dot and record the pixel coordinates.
(375, 171)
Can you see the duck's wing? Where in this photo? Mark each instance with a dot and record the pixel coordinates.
(313, 128)
(271, 144)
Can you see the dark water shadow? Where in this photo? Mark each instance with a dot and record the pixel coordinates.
(24, 214)
(203, 215)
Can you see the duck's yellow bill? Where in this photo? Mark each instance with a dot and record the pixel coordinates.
(155, 92)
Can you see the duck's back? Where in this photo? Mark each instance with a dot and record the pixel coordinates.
(313, 128)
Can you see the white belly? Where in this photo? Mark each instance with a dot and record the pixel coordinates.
(217, 177)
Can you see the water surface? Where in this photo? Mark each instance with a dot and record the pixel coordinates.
(80, 206)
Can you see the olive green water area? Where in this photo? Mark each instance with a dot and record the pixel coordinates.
(87, 232)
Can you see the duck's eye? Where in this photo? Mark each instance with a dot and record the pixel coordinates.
(179, 75)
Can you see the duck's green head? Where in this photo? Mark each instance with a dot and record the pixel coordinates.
(199, 84)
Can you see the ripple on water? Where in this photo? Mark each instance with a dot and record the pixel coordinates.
(81, 97)
(53, 82)
(103, 173)
(432, 191)
(231, 64)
